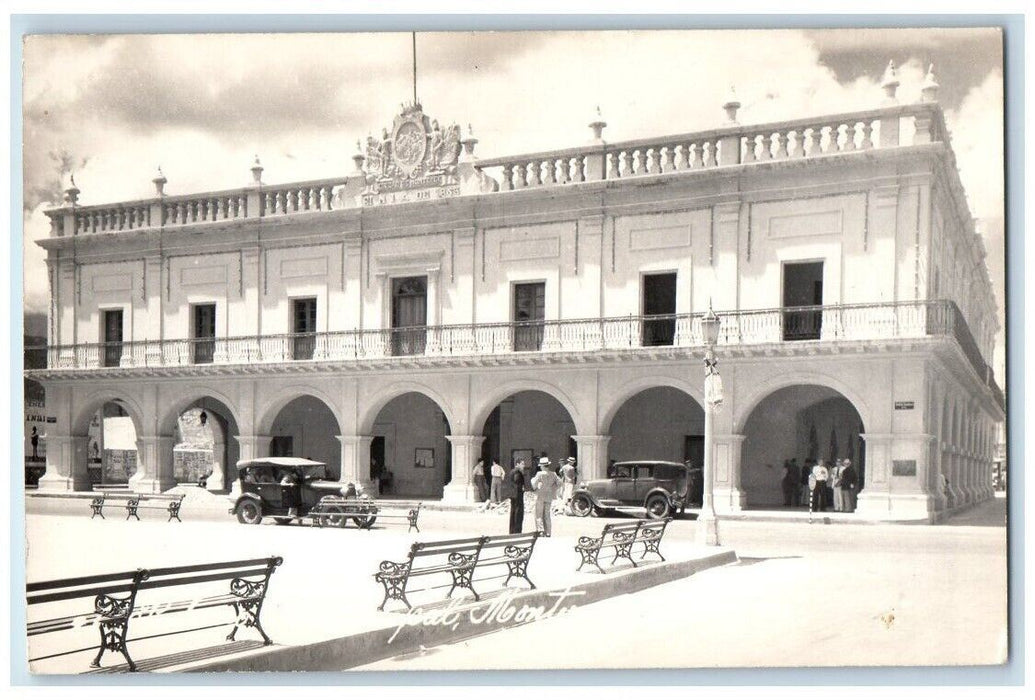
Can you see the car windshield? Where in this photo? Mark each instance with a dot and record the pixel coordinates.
(316, 471)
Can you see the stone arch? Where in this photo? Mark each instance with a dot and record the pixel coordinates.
(372, 408)
(640, 384)
(94, 402)
(763, 390)
(192, 395)
(275, 403)
(480, 412)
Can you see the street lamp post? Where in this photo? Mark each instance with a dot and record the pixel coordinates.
(707, 524)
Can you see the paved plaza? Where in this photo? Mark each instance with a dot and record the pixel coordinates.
(872, 594)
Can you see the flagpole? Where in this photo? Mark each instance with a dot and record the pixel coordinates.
(414, 34)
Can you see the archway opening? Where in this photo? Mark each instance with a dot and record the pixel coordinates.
(660, 423)
(205, 450)
(528, 425)
(111, 453)
(306, 427)
(803, 423)
(410, 456)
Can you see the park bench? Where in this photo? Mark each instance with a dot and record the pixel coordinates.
(460, 559)
(137, 501)
(336, 512)
(119, 599)
(622, 537)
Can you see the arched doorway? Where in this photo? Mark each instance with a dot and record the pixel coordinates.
(528, 425)
(204, 446)
(662, 423)
(410, 456)
(801, 422)
(306, 427)
(110, 428)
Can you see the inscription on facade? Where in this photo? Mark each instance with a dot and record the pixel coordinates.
(904, 405)
(903, 467)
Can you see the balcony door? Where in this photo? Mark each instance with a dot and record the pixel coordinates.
(112, 337)
(303, 314)
(659, 308)
(409, 315)
(204, 333)
(529, 315)
(802, 289)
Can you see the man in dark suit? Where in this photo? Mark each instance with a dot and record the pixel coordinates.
(516, 496)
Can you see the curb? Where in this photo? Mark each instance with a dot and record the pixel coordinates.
(454, 623)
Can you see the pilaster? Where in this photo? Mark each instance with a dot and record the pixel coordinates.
(154, 464)
(66, 464)
(355, 461)
(592, 456)
(466, 449)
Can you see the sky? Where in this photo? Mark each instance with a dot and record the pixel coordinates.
(112, 108)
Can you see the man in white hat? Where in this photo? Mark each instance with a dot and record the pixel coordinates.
(568, 477)
(545, 484)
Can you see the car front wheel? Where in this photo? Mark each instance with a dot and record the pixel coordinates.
(581, 505)
(658, 507)
(249, 512)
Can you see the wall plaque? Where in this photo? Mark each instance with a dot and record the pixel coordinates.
(904, 405)
(903, 467)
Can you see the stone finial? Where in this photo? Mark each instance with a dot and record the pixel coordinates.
(890, 82)
(731, 105)
(929, 90)
(71, 192)
(597, 127)
(469, 143)
(358, 158)
(257, 171)
(159, 181)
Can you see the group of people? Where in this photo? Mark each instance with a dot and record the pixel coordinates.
(819, 486)
(552, 490)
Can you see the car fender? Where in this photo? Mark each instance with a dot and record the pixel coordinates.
(253, 496)
(670, 497)
(587, 494)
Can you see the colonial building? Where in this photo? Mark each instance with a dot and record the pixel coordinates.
(432, 307)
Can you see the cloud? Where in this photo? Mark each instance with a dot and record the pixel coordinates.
(203, 106)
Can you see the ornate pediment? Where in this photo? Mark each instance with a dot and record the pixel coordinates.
(415, 149)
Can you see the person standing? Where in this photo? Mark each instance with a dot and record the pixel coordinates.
(497, 472)
(545, 484)
(806, 482)
(479, 481)
(835, 484)
(35, 443)
(849, 484)
(568, 477)
(516, 494)
(789, 483)
(820, 475)
(796, 482)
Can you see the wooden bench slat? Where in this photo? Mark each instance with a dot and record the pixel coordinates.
(188, 580)
(192, 568)
(80, 581)
(79, 593)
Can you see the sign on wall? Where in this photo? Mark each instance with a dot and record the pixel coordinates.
(903, 467)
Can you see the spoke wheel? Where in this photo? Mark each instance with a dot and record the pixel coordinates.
(249, 512)
(581, 505)
(658, 507)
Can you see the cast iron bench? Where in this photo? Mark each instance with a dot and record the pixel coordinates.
(336, 512)
(116, 602)
(169, 503)
(621, 537)
(460, 559)
(102, 498)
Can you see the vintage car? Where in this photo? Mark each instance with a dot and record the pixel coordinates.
(662, 488)
(261, 489)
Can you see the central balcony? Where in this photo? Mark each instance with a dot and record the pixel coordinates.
(789, 328)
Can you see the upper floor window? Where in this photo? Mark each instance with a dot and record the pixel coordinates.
(112, 337)
(203, 333)
(529, 315)
(409, 315)
(303, 326)
(659, 309)
(802, 287)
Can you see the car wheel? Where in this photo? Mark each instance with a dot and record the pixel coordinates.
(249, 512)
(334, 517)
(581, 505)
(658, 507)
(365, 522)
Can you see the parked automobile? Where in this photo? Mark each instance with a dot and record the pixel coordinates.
(262, 490)
(662, 488)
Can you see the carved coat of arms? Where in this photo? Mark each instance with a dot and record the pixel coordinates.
(416, 146)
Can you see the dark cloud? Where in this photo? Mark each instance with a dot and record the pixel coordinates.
(962, 57)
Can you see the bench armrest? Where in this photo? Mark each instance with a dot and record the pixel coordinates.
(393, 569)
(585, 542)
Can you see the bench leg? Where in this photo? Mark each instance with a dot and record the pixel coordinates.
(247, 612)
(96, 512)
(395, 589)
(624, 551)
(590, 556)
(518, 569)
(652, 546)
(462, 579)
(113, 638)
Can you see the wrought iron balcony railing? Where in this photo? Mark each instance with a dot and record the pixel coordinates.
(796, 325)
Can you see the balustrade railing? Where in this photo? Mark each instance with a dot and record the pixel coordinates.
(789, 326)
(184, 210)
(731, 145)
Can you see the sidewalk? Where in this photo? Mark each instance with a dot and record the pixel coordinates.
(321, 607)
